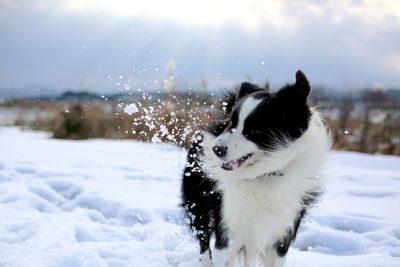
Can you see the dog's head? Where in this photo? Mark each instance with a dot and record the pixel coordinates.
(261, 123)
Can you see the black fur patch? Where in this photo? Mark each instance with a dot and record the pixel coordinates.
(200, 199)
(281, 116)
(202, 202)
(276, 119)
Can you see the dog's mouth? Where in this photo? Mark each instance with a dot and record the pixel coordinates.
(235, 164)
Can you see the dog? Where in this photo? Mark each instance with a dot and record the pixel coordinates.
(251, 176)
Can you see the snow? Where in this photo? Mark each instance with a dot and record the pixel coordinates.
(115, 203)
(131, 108)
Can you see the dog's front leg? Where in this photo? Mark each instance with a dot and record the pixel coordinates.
(271, 258)
(225, 257)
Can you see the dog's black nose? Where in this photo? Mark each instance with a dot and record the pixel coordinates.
(220, 151)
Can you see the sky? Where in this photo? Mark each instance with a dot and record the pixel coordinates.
(129, 45)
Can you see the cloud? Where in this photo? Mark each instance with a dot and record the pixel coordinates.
(282, 14)
(250, 13)
(62, 45)
(9, 8)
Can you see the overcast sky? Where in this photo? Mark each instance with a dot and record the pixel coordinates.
(108, 46)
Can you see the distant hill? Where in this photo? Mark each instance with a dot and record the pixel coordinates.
(28, 92)
(317, 94)
(71, 95)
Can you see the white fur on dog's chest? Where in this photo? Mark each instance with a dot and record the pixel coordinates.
(259, 212)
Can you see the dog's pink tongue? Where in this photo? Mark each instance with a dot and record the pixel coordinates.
(235, 165)
(232, 165)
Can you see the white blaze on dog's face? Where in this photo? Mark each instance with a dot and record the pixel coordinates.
(262, 123)
(238, 148)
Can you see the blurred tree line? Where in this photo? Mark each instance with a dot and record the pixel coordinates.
(366, 121)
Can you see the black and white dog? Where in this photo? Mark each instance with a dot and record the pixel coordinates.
(250, 178)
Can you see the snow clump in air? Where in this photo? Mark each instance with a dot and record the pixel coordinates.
(131, 108)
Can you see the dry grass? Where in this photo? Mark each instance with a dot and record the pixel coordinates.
(174, 120)
(171, 120)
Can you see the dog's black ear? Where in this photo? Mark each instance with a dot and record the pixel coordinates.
(297, 91)
(302, 84)
(247, 88)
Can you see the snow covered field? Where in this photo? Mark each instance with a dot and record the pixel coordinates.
(115, 203)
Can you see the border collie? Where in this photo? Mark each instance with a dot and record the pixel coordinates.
(251, 176)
